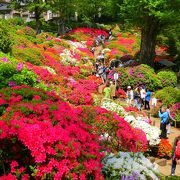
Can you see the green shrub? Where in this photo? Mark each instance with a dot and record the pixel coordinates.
(7, 70)
(9, 76)
(167, 78)
(5, 39)
(141, 74)
(168, 95)
(28, 55)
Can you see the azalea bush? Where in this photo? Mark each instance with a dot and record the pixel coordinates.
(47, 137)
(87, 35)
(152, 132)
(142, 74)
(12, 74)
(121, 93)
(164, 149)
(125, 165)
(175, 111)
(168, 78)
(32, 55)
(116, 134)
(168, 95)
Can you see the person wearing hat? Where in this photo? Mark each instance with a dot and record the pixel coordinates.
(129, 95)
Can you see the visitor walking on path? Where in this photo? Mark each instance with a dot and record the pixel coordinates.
(169, 118)
(163, 114)
(147, 100)
(112, 90)
(175, 155)
(129, 95)
(143, 95)
(107, 91)
(137, 99)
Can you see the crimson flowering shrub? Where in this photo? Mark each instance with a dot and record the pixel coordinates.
(115, 132)
(85, 34)
(47, 136)
(121, 93)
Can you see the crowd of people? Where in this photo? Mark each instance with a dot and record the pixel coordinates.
(101, 69)
(139, 98)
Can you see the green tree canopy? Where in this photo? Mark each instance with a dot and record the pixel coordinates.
(150, 16)
(38, 7)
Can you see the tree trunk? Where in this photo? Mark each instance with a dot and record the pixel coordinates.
(148, 43)
(38, 23)
(61, 27)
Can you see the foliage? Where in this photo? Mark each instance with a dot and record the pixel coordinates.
(168, 95)
(141, 74)
(167, 78)
(31, 55)
(5, 38)
(151, 17)
(12, 74)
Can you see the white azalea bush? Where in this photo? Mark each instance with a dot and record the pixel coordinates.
(112, 106)
(67, 57)
(126, 165)
(152, 132)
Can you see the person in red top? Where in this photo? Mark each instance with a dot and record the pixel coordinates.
(175, 159)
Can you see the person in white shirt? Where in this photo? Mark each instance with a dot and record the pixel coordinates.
(143, 95)
(129, 95)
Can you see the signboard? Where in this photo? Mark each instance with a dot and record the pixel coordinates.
(116, 76)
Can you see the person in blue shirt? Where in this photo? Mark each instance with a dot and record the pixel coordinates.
(163, 114)
(147, 100)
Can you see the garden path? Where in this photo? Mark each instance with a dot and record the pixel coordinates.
(166, 170)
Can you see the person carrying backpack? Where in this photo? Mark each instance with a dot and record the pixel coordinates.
(175, 155)
(163, 114)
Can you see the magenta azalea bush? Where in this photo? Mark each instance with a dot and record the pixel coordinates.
(45, 136)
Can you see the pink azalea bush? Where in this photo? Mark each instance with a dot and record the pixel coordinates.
(47, 134)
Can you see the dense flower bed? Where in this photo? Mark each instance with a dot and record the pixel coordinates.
(124, 165)
(47, 134)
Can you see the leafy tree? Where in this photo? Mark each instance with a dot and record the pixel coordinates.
(150, 16)
(63, 9)
(5, 38)
(98, 11)
(34, 6)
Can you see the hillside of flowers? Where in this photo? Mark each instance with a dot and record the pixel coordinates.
(50, 125)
